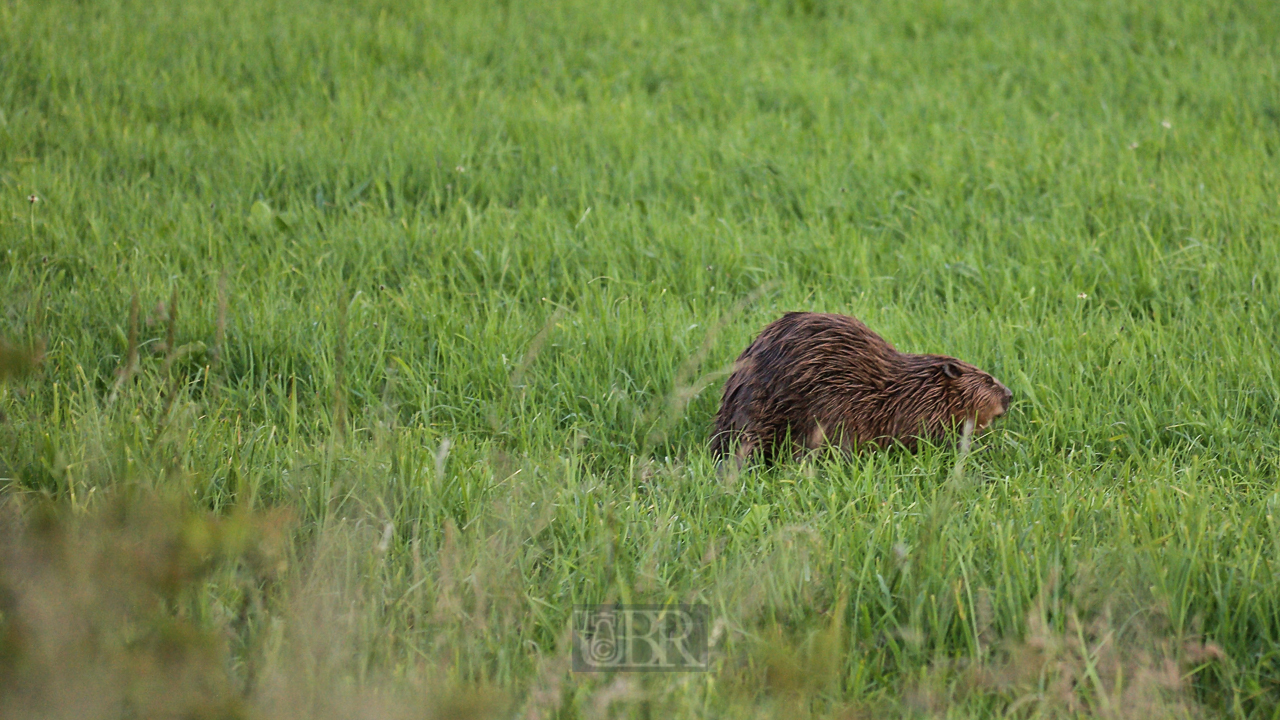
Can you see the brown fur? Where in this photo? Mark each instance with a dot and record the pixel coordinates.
(813, 378)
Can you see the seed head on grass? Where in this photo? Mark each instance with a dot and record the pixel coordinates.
(31, 215)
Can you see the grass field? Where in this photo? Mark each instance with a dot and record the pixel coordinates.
(377, 335)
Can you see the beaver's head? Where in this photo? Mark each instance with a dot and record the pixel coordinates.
(971, 394)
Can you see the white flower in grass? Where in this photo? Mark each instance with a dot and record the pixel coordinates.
(1166, 124)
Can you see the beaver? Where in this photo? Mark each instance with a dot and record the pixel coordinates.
(813, 378)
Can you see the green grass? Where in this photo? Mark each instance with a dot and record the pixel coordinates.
(474, 271)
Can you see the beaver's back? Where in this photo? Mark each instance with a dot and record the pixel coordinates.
(781, 374)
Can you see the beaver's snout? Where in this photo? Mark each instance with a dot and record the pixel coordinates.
(1006, 396)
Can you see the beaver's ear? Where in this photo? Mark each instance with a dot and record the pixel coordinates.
(951, 370)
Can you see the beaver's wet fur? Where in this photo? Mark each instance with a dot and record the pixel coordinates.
(812, 378)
